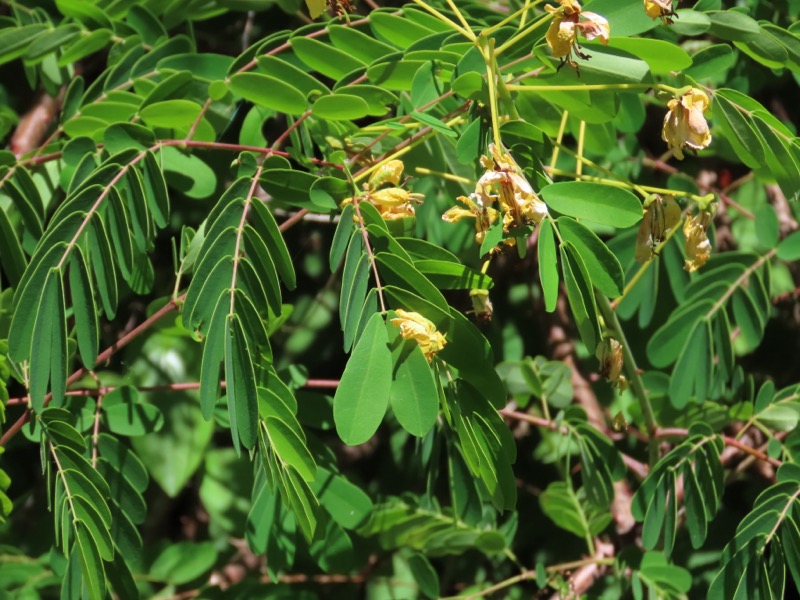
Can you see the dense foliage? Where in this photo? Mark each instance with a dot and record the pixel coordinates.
(448, 298)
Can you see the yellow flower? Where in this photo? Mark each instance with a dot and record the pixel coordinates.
(393, 202)
(481, 304)
(504, 183)
(484, 215)
(698, 248)
(662, 9)
(609, 353)
(685, 125)
(661, 215)
(389, 172)
(562, 35)
(413, 326)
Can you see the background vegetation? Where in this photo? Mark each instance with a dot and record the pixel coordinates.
(399, 301)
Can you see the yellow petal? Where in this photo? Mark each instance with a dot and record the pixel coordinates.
(413, 326)
(390, 172)
(561, 37)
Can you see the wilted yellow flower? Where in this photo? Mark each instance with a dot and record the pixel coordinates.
(659, 9)
(481, 304)
(484, 215)
(698, 248)
(413, 326)
(685, 125)
(609, 353)
(661, 215)
(504, 183)
(562, 35)
(393, 202)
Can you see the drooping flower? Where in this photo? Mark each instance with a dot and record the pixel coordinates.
(484, 215)
(413, 326)
(662, 9)
(609, 353)
(661, 215)
(391, 202)
(568, 21)
(698, 248)
(502, 182)
(481, 304)
(685, 123)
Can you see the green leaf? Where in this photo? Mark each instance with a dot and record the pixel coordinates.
(603, 266)
(155, 190)
(399, 272)
(213, 356)
(413, 394)
(323, 58)
(448, 275)
(668, 341)
(341, 107)
(346, 503)
(362, 396)
(49, 41)
(603, 204)
(172, 114)
(12, 258)
(291, 448)
(662, 57)
(580, 295)
(425, 575)
(50, 339)
(102, 262)
(732, 25)
(240, 379)
(562, 505)
(264, 223)
(89, 516)
(184, 562)
(397, 30)
(269, 92)
(712, 61)
(625, 17)
(693, 371)
(14, 41)
(91, 562)
(357, 44)
(789, 247)
(548, 265)
(288, 73)
(293, 187)
(341, 237)
(88, 43)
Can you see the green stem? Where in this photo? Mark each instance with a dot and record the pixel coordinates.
(582, 88)
(488, 52)
(465, 32)
(522, 34)
(637, 386)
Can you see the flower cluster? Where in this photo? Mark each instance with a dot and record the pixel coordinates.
(685, 124)
(562, 36)
(502, 182)
(392, 202)
(698, 248)
(413, 326)
(660, 9)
